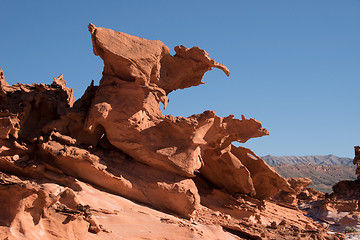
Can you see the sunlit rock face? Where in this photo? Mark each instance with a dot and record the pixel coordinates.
(68, 169)
(138, 75)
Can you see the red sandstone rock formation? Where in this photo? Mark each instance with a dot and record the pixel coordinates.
(116, 139)
(302, 193)
(138, 74)
(356, 161)
(340, 209)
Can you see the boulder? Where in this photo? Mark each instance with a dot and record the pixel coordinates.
(299, 184)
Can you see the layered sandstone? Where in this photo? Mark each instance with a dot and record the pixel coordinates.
(302, 192)
(340, 209)
(116, 139)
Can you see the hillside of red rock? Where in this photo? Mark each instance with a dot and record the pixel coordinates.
(111, 166)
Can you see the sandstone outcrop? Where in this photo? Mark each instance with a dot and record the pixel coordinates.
(25, 109)
(356, 161)
(65, 164)
(132, 180)
(302, 192)
(138, 74)
(340, 209)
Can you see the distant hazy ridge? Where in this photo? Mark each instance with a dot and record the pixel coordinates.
(317, 159)
(324, 171)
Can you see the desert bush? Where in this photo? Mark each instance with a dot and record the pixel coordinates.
(350, 229)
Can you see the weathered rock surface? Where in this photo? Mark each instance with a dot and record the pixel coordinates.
(127, 105)
(54, 151)
(138, 74)
(340, 209)
(302, 192)
(50, 211)
(356, 161)
(132, 180)
(25, 109)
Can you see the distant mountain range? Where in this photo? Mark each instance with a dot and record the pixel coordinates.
(317, 159)
(324, 171)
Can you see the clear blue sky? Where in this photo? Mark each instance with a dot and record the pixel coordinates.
(295, 65)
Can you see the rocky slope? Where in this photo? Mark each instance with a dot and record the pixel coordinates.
(323, 176)
(112, 166)
(340, 209)
(324, 171)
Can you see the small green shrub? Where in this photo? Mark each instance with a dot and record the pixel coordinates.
(350, 229)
